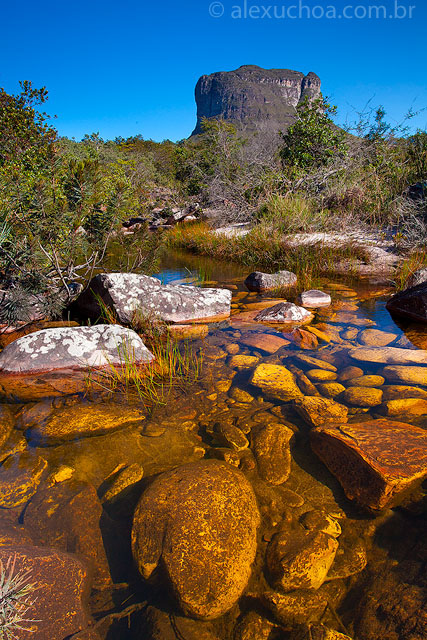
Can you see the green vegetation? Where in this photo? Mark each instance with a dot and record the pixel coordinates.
(63, 203)
(262, 248)
(175, 368)
(16, 600)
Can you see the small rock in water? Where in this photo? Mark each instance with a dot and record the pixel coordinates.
(265, 342)
(319, 411)
(297, 607)
(276, 381)
(376, 338)
(259, 281)
(321, 375)
(315, 363)
(271, 447)
(304, 339)
(397, 392)
(20, 476)
(124, 479)
(315, 299)
(243, 362)
(362, 396)
(349, 373)
(330, 389)
(286, 313)
(368, 381)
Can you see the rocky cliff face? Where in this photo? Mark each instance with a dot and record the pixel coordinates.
(251, 96)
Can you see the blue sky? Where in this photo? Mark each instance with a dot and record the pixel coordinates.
(129, 67)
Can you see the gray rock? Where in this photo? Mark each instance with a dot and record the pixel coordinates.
(252, 96)
(127, 293)
(259, 281)
(315, 299)
(418, 277)
(72, 348)
(285, 312)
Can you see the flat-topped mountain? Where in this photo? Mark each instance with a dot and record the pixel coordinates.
(251, 95)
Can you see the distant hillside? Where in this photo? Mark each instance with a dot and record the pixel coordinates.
(251, 95)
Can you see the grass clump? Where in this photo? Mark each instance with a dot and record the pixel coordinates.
(415, 261)
(175, 368)
(265, 247)
(16, 600)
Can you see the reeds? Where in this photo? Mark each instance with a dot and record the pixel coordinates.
(416, 260)
(267, 248)
(176, 367)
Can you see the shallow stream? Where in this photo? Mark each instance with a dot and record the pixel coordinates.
(380, 600)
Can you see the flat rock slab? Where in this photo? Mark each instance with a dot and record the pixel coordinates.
(406, 375)
(259, 281)
(411, 303)
(389, 355)
(264, 342)
(130, 294)
(47, 363)
(374, 461)
(77, 421)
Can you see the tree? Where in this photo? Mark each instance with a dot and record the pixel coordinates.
(313, 140)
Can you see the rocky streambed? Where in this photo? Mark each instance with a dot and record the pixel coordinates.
(278, 496)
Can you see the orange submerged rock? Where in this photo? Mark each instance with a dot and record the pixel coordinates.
(374, 461)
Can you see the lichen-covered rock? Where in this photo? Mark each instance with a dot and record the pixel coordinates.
(315, 299)
(62, 588)
(388, 355)
(259, 281)
(20, 475)
(77, 421)
(299, 557)
(231, 436)
(127, 294)
(320, 632)
(374, 461)
(271, 447)
(284, 313)
(199, 522)
(410, 303)
(56, 361)
(122, 481)
(362, 396)
(275, 381)
(406, 375)
(318, 411)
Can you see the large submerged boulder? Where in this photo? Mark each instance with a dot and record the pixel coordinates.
(410, 303)
(56, 361)
(374, 461)
(128, 295)
(198, 523)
